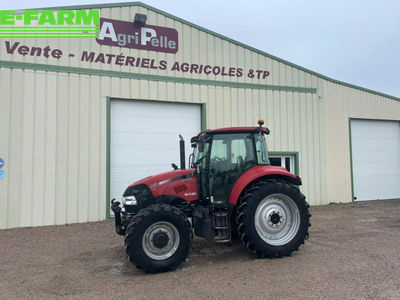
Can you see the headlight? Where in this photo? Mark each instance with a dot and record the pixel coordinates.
(130, 200)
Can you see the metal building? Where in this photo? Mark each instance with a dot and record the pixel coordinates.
(77, 125)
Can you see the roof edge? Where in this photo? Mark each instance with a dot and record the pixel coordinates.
(138, 3)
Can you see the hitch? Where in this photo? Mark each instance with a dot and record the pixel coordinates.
(115, 207)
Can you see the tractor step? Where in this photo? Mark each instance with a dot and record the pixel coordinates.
(214, 222)
(222, 222)
(220, 214)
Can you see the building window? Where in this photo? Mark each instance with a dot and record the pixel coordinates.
(283, 160)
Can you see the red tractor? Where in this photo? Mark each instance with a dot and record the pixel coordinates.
(231, 189)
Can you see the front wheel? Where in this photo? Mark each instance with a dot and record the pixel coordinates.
(158, 238)
(273, 219)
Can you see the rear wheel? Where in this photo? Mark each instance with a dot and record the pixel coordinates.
(273, 219)
(158, 238)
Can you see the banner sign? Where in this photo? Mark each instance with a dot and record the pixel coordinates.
(49, 24)
(127, 34)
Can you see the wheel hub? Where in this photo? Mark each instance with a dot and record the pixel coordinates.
(273, 217)
(160, 240)
(277, 219)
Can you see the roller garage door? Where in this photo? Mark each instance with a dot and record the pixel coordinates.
(376, 159)
(145, 138)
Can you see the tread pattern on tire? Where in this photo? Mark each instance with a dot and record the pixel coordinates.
(136, 256)
(244, 219)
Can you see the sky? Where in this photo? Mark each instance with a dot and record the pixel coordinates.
(355, 41)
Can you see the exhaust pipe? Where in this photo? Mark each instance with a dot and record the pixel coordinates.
(182, 151)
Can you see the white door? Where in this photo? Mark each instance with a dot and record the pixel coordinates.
(376, 159)
(145, 139)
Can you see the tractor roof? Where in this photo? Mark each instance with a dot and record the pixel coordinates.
(236, 130)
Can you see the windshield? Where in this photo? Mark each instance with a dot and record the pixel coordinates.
(261, 149)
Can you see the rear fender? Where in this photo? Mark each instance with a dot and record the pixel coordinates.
(260, 172)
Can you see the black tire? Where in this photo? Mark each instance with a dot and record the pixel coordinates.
(234, 226)
(246, 212)
(143, 220)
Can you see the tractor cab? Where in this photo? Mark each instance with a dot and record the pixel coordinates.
(222, 155)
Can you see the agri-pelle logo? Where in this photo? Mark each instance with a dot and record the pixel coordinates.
(49, 24)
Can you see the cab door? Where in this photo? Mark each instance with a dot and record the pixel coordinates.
(231, 155)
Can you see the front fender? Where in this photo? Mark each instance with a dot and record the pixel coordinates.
(257, 172)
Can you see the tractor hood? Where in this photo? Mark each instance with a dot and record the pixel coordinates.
(155, 180)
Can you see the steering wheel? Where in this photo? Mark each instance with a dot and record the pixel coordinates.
(217, 159)
(216, 162)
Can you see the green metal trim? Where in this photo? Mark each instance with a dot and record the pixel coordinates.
(108, 73)
(296, 158)
(108, 155)
(126, 4)
(351, 162)
(203, 116)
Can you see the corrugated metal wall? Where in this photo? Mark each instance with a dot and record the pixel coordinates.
(54, 137)
(195, 46)
(53, 125)
(343, 103)
(53, 142)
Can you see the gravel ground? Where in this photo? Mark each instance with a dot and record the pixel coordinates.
(353, 252)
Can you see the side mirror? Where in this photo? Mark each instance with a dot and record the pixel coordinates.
(174, 166)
